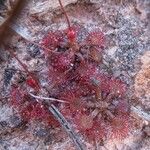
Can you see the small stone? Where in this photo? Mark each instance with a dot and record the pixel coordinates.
(8, 74)
(147, 130)
(14, 121)
(41, 132)
(142, 80)
(33, 50)
(3, 124)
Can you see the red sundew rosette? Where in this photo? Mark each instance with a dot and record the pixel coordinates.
(34, 111)
(117, 88)
(85, 73)
(57, 78)
(61, 61)
(95, 38)
(91, 128)
(52, 40)
(96, 41)
(74, 99)
(120, 127)
(121, 123)
(91, 80)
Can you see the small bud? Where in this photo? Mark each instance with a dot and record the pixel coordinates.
(32, 83)
(71, 35)
(96, 38)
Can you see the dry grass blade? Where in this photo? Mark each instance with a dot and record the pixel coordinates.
(47, 98)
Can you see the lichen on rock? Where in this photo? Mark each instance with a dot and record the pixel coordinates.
(142, 81)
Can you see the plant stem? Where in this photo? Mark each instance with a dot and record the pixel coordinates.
(63, 9)
(20, 62)
(23, 65)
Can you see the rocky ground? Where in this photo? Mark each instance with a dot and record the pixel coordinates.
(125, 24)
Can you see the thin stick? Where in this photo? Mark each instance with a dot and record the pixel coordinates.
(65, 124)
(67, 18)
(47, 98)
(23, 65)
